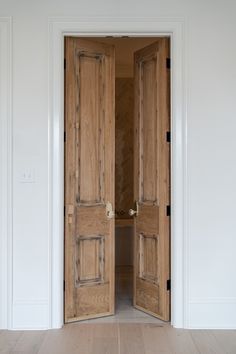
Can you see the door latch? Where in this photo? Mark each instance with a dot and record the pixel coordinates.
(133, 212)
(109, 211)
(70, 212)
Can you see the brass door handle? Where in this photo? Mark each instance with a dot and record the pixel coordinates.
(110, 214)
(133, 212)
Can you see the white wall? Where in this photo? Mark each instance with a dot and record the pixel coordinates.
(211, 88)
(5, 165)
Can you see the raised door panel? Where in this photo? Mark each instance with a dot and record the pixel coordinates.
(89, 179)
(91, 86)
(148, 127)
(89, 260)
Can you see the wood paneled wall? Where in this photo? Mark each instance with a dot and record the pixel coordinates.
(124, 146)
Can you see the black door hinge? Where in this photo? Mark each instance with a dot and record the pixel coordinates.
(168, 210)
(64, 136)
(168, 284)
(168, 63)
(64, 64)
(64, 285)
(168, 137)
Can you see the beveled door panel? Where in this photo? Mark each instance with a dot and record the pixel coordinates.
(90, 260)
(151, 179)
(148, 128)
(90, 135)
(148, 259)
(89, 179)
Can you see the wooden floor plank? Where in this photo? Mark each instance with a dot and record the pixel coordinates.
(155, 339)
(105, 330)
(105, 346)
(105, 338)
(8, 340)
(29, 342)
(226, 340)
(205, 342)
(130, 339)
(72, 338)
(180, 341)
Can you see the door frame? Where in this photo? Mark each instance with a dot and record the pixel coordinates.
(98, 27)
(6, 257)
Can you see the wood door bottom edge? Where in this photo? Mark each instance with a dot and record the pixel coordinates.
(89, 317)
(151, 313)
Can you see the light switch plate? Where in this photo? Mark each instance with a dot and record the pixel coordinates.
(27, 175)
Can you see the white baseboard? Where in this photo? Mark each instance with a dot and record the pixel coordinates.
(212, 313)
(30, 315)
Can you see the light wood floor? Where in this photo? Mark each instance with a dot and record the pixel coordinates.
(118, 338)
(128, 332)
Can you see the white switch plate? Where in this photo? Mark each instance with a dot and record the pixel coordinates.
(27, 176)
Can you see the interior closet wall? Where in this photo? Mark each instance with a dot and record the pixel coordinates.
(124, 112)
(124, 102)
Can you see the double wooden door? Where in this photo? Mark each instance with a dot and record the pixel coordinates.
(89, 179)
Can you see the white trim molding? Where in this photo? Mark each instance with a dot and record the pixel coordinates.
(5, 174)
(58, 29)
(30, 314)
(217, 310)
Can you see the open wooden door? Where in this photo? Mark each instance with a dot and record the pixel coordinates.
(89, 179)
(151, 180)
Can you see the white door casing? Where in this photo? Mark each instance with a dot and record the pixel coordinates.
(58, 29)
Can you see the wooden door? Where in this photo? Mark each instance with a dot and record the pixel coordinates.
(151, 179)
(89, 179)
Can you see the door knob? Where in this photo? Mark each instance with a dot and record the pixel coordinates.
(109, 211)
(133, 212)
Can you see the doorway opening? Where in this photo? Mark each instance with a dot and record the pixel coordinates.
(90, 251)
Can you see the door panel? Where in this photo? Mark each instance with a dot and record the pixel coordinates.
(151, 179)
(89, 179)
(148, 165)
